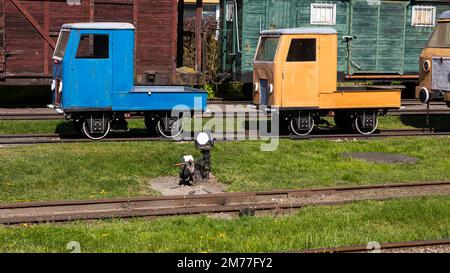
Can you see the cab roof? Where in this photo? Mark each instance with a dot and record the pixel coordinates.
(99, 25)
(300, 30)
(445, 15)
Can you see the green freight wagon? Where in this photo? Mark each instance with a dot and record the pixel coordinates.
(379, 40)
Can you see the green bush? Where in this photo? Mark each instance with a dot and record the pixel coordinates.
(211, 90)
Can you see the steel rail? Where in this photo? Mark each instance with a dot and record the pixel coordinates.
(21, 139)
(156, 206)
(384, 246)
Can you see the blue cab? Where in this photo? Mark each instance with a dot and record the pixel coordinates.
(93, 83)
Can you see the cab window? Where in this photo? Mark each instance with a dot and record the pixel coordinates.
(440, 36)
(302, 50)
(61, 44)
(93, 46)
(267, 49)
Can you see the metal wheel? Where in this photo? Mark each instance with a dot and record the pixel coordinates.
(95, 136)
(298, 130)
(365, 130)
(173, 130)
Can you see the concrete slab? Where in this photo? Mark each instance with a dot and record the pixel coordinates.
(381, 157)
(168, 185)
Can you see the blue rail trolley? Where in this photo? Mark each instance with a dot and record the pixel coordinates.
(93, 83)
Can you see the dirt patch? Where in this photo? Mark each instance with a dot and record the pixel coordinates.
(381, 157)
(168, 185)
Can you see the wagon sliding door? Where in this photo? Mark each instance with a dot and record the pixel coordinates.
(379, 28)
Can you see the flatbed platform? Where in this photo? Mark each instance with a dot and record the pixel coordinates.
(358, 97)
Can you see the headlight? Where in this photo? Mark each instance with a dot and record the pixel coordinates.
(53, 85)
(426, 66)
(424, 95)
(256, 86)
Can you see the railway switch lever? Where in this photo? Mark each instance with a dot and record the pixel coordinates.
(197, 170)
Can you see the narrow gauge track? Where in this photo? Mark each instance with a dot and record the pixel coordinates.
(22, 139)
(386, 247)
(239, 203)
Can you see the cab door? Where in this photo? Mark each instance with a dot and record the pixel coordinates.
(90, 72)
(300, 72)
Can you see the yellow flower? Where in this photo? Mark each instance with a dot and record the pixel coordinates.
(104, 235)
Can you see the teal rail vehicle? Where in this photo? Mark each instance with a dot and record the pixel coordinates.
(93, 83)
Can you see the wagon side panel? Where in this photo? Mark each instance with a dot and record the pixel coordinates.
(2, 36)
(30, 31)
(24, 48)
(25, 54)
(155, 42)
(254, 14)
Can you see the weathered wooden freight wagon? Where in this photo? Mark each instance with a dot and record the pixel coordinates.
(29, 29)
(378, 40)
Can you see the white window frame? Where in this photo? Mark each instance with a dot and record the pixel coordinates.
(229, 11)
(73, 2)
(429, 10)
(316, 12)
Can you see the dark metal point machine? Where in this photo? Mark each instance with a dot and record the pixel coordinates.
(192, 171)
(93, 83)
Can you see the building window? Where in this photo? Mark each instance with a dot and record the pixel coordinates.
(209, 10)
(73, 2)
(423, 16)
(230, 11)
(302, 50)
(323, 14)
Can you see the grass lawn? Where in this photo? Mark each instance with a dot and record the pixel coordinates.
(65, 127)
(312, 227)
(102, 169)
(441, 122)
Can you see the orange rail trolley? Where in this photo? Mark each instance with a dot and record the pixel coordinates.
(434, 80)
(295, 73)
